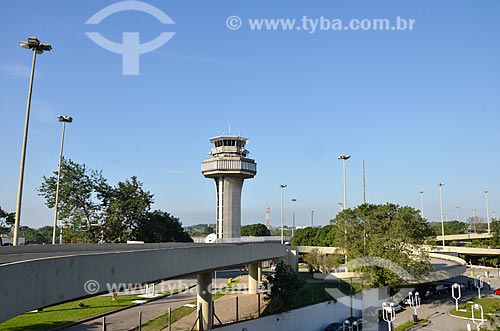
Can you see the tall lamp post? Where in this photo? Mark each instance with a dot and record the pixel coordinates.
(422, 203)
(293, 216)
(38, 48)
(344, 157)
(64, 120)
(474, 219)
(441, 208)
(487, 211)
(282, 186)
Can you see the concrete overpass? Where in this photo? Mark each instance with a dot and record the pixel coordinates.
(466, 250)
(33, 277)
(444, 266)
(465, 236)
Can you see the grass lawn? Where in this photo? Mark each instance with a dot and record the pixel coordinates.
(490, 306)
(409, 324)
(66, 313)
(314, 292)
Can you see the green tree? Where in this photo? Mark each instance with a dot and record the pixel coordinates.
(36, 236)
(256, 230)
(80, 195)
(324, 236)
(494, 241)
(285, 285)
(450, 227)
(160, 226)
(388, 231)
(127, 204)
(317, 262)
(305, 237)
(6, 219)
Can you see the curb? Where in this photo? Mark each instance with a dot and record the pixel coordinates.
(62, 327)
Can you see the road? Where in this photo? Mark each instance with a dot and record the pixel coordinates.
(436, 308)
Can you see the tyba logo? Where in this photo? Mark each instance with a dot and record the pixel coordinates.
(130, 48)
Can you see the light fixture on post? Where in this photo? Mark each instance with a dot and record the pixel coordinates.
(282, 186)
(38, 48)
(344, 157)
(487, 211)
(478, 283)
(388, 314)
(457, 297)
(441, 208)
(64, 120)
(478, 307)
(293, 216)
(422, 204)
(414, 300)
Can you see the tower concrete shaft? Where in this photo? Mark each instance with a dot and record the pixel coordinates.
(229, 167)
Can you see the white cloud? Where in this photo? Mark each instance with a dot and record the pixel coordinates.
(15, 70)
(173, 172)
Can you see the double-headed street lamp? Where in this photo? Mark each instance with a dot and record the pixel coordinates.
(441, 208)
(64, 120)
(282, 186)
(38, 48)
(344, 157)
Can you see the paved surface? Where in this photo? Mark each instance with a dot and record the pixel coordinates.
(225, 308)
(129, 318)
(436, 308)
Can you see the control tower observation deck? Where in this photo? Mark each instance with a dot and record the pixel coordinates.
(229, 167)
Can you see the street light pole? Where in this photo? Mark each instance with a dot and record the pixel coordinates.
(282, 186)
(422, 204)
(441, 208)
(293, 216)
(474, 219)
(487, 211)
(34, 44)
(64, 120)
(344, 157)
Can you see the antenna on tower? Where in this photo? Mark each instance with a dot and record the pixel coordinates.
(364, 183)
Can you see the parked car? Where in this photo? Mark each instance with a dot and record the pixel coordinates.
(337, 326)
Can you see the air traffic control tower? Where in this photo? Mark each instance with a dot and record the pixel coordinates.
(229, 166)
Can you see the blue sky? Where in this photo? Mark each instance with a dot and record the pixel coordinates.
(418, 106)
